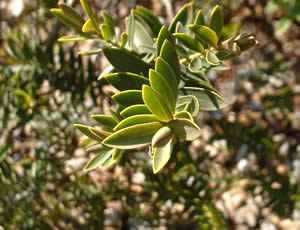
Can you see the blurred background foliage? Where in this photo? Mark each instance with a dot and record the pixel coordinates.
(242, 173)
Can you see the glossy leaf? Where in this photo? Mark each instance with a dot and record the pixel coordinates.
(109, 22)
(162, 36)
(195, 66)
(162, 67)
(205, 34)
(190, 42)
(88, 27)
(169, 54)
(90, 52)
(192, 104)
(72, 38)
(128, 97)
(124, 39)
(184, 129)
(105, 120)
(185, 115)
(181, 107)
(162, 136)
(99, 159)
(162, 154)
(134, 110)
(211, 58)
(105, 32)
(99, 133)
(151, 19)
(141, 35)
(66, 20)
(185, 16)
(133, 137)
(87, 9)
(125, 61)
(126, 81)
(208, 99)
(159, 83)
(109, 162)
(130, 25)
(156, 104)
(199, 20)
(117, 154)
(71, 13)
(216, 21)
(229, 31)
(135, 120)
(86, 131)
(106, 71)
(115, 115)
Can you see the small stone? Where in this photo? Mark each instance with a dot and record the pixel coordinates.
(284, 148)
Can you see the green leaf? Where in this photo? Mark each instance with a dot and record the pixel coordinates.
(211, 58)
(110, 23)
(162, 67)
(190, 42)
(130, 25)
(162, 36)
(141, 35)
(124, 39)
(159, 83)
(185, 115)
(117, 154)
(105, 120)
(192, 104)
(85, 142)
(71, 13)
(125, 61)
(205, 34)
(72, 38)
(99, 159)
(106, 71)
(135, 120)
(126, 81)
(181, 107)
(152, 20)
(162, 136)
(87, 9)
(185, 16)
(184, 129)
(99, 133)
(90, 52)
(128, 97)
(229, 31)
(162, 154)
(222, 67)
(105, 32)
(133, 137)
(208, 99)
(88, 27)
(169, 54)
(115, 115)
(86, 131)
(134, 110)
(195, 66)
(216, 21)
(66, 20)
(156, 104)
(199, 20)
(109, 162)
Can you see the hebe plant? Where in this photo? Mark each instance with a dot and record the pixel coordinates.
(160, 73)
